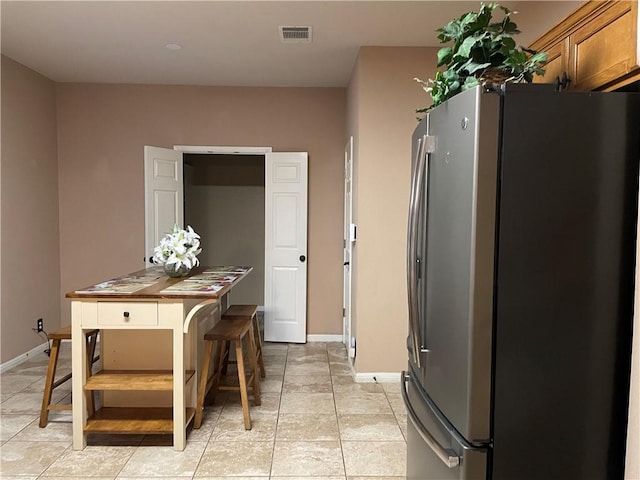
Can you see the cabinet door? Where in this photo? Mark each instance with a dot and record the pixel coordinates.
(604, 49)
(556, 62)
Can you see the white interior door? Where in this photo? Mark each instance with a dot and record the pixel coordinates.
(163, 195)
(349, 239)
(285, 309)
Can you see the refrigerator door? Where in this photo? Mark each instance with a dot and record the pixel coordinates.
(565, 284)
(456, 284)
(435, 451)
(415, 240)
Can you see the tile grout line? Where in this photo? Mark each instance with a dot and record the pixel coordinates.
(275, 434)
(335, 406)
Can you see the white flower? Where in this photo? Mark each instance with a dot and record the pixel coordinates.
(180, 247)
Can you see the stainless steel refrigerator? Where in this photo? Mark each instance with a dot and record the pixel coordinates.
(521, 260)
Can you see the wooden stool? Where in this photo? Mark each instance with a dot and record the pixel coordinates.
(57, 337)
(238, 330)
(240, 311)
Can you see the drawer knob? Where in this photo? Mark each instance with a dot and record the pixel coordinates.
(126, 315)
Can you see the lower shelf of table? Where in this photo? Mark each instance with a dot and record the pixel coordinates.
(134, 380)
(156, 420)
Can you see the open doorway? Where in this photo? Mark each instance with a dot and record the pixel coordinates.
(284, 222)
(224, 201)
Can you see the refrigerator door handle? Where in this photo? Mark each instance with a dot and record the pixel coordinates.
(412, 247)
(448, 456)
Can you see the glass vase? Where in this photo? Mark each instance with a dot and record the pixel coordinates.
(172, 270)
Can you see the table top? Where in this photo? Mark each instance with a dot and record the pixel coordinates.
(202, 282)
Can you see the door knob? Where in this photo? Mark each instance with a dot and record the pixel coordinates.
(302, 258)
(346, 263)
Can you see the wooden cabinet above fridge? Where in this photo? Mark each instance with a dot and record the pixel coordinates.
(594, 48)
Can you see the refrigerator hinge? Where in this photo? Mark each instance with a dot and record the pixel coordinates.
(429, 143)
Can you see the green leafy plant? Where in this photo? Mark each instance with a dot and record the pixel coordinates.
(480, 50)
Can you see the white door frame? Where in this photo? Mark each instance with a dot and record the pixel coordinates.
(349, 240)
(223, 150)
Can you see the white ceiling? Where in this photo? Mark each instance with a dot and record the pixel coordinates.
(228, 42)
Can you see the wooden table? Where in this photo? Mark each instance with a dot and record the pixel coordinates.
(139, 304)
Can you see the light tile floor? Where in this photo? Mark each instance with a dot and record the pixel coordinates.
(315, 423)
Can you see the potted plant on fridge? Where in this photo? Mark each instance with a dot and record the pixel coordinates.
(480, 50)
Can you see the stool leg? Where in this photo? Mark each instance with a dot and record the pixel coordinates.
(48, 386)
(258, 342)
(202, 391)
(91, 350)
(243, 384)
(218, 360)
(225, 356)
(253, 365)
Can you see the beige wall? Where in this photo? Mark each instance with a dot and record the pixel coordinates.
(101, 133)
(30, 265)
(382, 99)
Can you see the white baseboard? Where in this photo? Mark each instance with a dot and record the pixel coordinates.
(373, 377)
(324, 338)
(14, 362)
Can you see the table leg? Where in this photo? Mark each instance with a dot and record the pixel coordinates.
(179, 392)
(79, 376)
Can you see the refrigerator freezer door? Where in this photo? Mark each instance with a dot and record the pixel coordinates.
(457, 281)
(433, 451)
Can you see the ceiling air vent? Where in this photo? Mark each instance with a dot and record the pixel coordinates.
(295, 34)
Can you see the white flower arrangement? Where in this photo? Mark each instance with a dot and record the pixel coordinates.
(180, 248)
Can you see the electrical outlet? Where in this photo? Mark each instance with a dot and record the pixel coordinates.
(39, 325)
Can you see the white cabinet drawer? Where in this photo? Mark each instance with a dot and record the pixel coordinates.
(127, 313)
